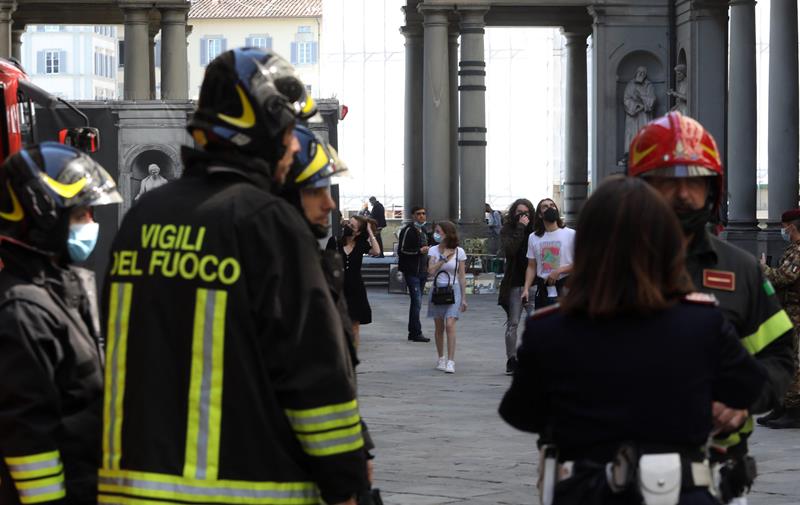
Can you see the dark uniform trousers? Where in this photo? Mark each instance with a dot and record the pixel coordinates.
(749, 302)
(786, 279)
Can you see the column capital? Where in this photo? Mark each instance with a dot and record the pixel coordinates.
(472, 17)
(7, 7)
(136, 15)
(411, 31)
(742, 3)
(174, 15)
(576, 33)
(434, 15)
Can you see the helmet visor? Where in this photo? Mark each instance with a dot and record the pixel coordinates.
(288, 83)
(681, 171)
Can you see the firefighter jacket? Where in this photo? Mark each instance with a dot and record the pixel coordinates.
(748, 301)
(786, 279)
(51, 398)
(228, 378)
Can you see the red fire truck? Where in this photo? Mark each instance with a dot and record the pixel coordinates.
(18, 117)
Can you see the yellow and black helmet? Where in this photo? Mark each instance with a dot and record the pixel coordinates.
(38, 186)
(314, 164)
(249, 97)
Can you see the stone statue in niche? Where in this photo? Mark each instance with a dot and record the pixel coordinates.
(639, 102)
(152, 181)
(682, 90)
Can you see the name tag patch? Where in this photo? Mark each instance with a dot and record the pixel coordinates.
(719, 279)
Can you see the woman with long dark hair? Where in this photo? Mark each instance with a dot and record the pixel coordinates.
(358, 239)
(550, 252)
(623, 375)
(446, 266)
(514, 235)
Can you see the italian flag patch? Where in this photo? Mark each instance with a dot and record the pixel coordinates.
(768, 288)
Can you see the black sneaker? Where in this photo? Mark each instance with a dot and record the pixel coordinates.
(511, 365)
(419, 338)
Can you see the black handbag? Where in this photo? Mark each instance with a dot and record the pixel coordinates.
(444, 295)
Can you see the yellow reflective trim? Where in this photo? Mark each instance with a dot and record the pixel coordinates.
(325, 444)
(327, 425)
(143, 485)
(215, 407)
(16, 213)
(40, 498)
(248, 117)
(65, 190)
(768, 332)
(124, 500)
(39, 483)
(196, 380)
(205, 388)
(33, 474)
(321, 411)
(116, 353)
(33, 458)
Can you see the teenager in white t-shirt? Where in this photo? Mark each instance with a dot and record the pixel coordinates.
(447, 257)
(550, 250)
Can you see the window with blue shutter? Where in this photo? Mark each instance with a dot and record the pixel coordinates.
(121, 53)
(261, 41)
(314, 52)
(157, 54)
(40, 62)
(211, 47)
(294, 53)
(203, 51)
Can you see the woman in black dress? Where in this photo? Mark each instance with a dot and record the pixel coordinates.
(358, 239)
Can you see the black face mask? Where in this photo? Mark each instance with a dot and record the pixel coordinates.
(347, 232)
(550, 215)
(694, 221)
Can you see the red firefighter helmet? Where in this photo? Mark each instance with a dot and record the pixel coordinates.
(677, 146)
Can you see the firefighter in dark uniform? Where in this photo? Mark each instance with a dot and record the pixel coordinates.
(786, 280)
(50, 356)
(228, 378)
(307, 187)
(628, 415)
(678, 157)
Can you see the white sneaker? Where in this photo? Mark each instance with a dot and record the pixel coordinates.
(442, 364)
(450, 367)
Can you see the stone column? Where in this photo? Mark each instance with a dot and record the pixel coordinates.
(742, 118)
(472, 131)
(455, 178)
(137, 72)
(436, 113)
(174, 69)
(7, 7)
(152, 31)
(576, 148)
(783, 108)
(16, 42)
(412, 156)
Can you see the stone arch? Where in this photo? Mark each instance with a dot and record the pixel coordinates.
(134, 168)
(656, 73)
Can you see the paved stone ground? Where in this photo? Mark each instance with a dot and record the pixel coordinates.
(440, 440)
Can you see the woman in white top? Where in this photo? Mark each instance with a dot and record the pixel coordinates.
(447, 257)
(551, 247)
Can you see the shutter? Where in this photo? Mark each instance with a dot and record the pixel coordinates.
(157, 55)
(40, 62)
(121, 52)
(203, 51)
(62, 62)
(248, 41)
(223, 45)
(314, 52)
(294, 53)
(269, 43)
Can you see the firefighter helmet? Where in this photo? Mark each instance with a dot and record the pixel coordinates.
(677, 146)
(248, 98)
(38, 186)
(314, 164)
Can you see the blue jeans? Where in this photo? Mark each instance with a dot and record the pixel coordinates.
(415, 285)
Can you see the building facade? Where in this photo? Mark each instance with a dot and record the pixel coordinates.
(289, 27)
(72, 61)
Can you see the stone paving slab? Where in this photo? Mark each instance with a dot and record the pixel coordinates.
(440, 440)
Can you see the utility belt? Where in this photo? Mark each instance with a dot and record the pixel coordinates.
(656, 478)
